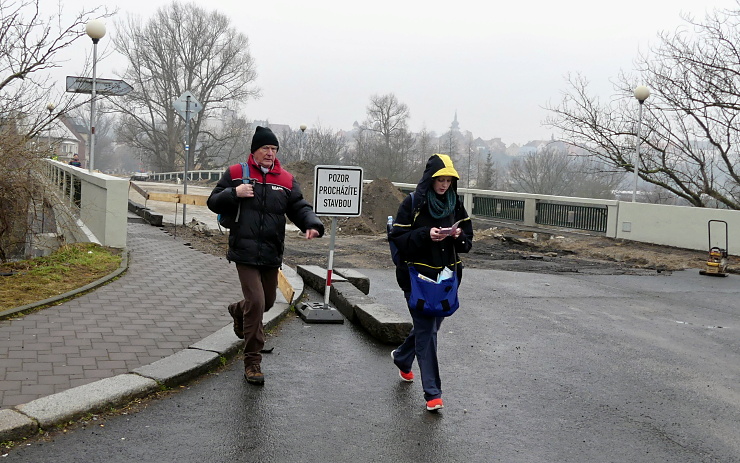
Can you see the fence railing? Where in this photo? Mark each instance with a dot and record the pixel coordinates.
(498, 208)
(195, 175)
(591, 215)
(580, 217)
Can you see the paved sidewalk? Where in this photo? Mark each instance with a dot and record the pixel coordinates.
(171, 297)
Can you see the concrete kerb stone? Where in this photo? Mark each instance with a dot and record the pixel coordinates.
(223, 342)
(315, 277)
(382, 323)
(145, 213)
(89, 398)
(346, 296)
(15, 425)
(179, 367)
(359, 280)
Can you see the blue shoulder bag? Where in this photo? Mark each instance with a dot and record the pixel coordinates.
(432, 298)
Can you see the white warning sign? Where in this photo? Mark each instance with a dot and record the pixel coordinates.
(337, 191)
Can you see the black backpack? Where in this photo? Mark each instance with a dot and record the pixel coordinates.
(395, 252)
(227, 220)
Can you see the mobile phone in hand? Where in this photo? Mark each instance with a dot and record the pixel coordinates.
(450, 230)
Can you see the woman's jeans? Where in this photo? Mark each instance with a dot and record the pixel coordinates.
(421, 344)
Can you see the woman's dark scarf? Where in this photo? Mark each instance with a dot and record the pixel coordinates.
(441, 206)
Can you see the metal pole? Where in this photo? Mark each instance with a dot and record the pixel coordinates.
(330, 267)
(303, 141)
(637, 155)
(91, 162)
(470, 154)
(187, 156)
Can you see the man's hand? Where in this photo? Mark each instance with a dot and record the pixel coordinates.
(244, 190)
(311, 234)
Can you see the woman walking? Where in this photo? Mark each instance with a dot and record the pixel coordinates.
(430, 229)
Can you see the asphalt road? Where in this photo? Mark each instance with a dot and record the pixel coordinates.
(535, 368)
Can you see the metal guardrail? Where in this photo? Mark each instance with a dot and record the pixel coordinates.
(195, 175)
(580, 217)
(498, 208)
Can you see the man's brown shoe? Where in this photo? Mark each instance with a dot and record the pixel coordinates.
(238, 322)
(254, 374)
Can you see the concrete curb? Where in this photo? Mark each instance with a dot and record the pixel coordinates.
(145, 213)
(99, 282)
(27, 419)
(382, 323)
(89, 398)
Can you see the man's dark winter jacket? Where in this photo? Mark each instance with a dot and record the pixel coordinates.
(259, 236)
(410, 231)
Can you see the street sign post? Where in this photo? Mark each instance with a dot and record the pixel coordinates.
(186, 106)
(102, 86)
(337, 193)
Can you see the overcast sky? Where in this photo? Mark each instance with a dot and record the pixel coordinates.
(495, 63)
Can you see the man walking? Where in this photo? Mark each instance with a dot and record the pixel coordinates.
(256, 241)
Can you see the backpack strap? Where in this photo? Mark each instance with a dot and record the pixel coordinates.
(239, 172)
(414, 204)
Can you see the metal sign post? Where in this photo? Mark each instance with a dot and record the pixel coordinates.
(186, 106)
(337, 193)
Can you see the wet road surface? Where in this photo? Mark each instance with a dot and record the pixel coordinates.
(536, 368)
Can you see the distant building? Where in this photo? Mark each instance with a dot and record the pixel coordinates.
(65, 139)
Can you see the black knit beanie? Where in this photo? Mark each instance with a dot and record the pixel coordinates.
(263, 136)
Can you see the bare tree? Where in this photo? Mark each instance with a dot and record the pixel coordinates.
(224, 142)
(450, 144)
(424, 148)
(544, 173)
(324, 146)
(552, 171)
(690, 136)
(182, 47)
(30, 44)
(468, 162)
(385, 140)
(29, 47)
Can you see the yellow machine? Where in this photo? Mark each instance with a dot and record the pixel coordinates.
(717, 262)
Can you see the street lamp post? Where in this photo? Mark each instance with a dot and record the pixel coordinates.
(95, 29)
(641, 93)
(50, 107)
(303, 136)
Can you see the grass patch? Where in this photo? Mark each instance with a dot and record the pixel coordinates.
(70, 267)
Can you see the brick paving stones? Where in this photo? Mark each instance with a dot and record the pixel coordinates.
(171, 297)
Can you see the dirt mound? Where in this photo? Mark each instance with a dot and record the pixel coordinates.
(380, 198)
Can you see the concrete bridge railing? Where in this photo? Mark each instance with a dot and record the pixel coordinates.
(89, 207)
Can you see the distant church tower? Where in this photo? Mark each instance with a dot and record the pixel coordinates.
(455, 127)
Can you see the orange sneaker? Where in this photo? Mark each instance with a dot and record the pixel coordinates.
(435, 404)
(407, 377)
